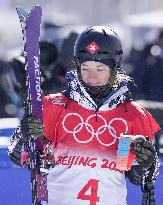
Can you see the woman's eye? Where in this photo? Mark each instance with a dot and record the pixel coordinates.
(100, 70)
(84, 69)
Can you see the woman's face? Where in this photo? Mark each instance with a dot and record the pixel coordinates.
(95, 73)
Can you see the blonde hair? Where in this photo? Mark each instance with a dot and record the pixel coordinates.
(117, 76)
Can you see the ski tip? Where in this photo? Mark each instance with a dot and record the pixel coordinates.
(38, 7)
(22, 14)
(36, 10)
(18, 8)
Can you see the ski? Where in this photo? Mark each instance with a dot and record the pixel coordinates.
(30, 24)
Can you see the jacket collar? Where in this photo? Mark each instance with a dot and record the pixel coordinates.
(77, 92)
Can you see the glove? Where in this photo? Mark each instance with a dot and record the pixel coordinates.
(144, 151)
(31, 127)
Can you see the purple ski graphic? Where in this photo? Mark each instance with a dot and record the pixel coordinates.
(32, 49)
(30, 24)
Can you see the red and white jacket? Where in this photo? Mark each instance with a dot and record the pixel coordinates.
(85, 145)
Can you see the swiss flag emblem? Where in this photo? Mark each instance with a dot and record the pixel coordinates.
(92, 47)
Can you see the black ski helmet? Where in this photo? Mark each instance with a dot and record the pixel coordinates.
(101, 44)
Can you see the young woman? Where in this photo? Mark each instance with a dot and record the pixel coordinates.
(84, 124)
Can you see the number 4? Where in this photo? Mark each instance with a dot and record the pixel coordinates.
(93, 198)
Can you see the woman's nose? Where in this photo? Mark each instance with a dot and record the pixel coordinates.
(92, 79)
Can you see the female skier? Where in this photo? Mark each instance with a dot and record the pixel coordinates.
(84, 124)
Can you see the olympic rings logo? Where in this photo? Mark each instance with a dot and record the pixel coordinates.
(91, 130)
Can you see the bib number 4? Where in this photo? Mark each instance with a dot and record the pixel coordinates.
(91, 185)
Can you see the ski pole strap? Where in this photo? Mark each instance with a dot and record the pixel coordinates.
(152, 198)
(147, 185)
(148, 194)
(145, 198)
